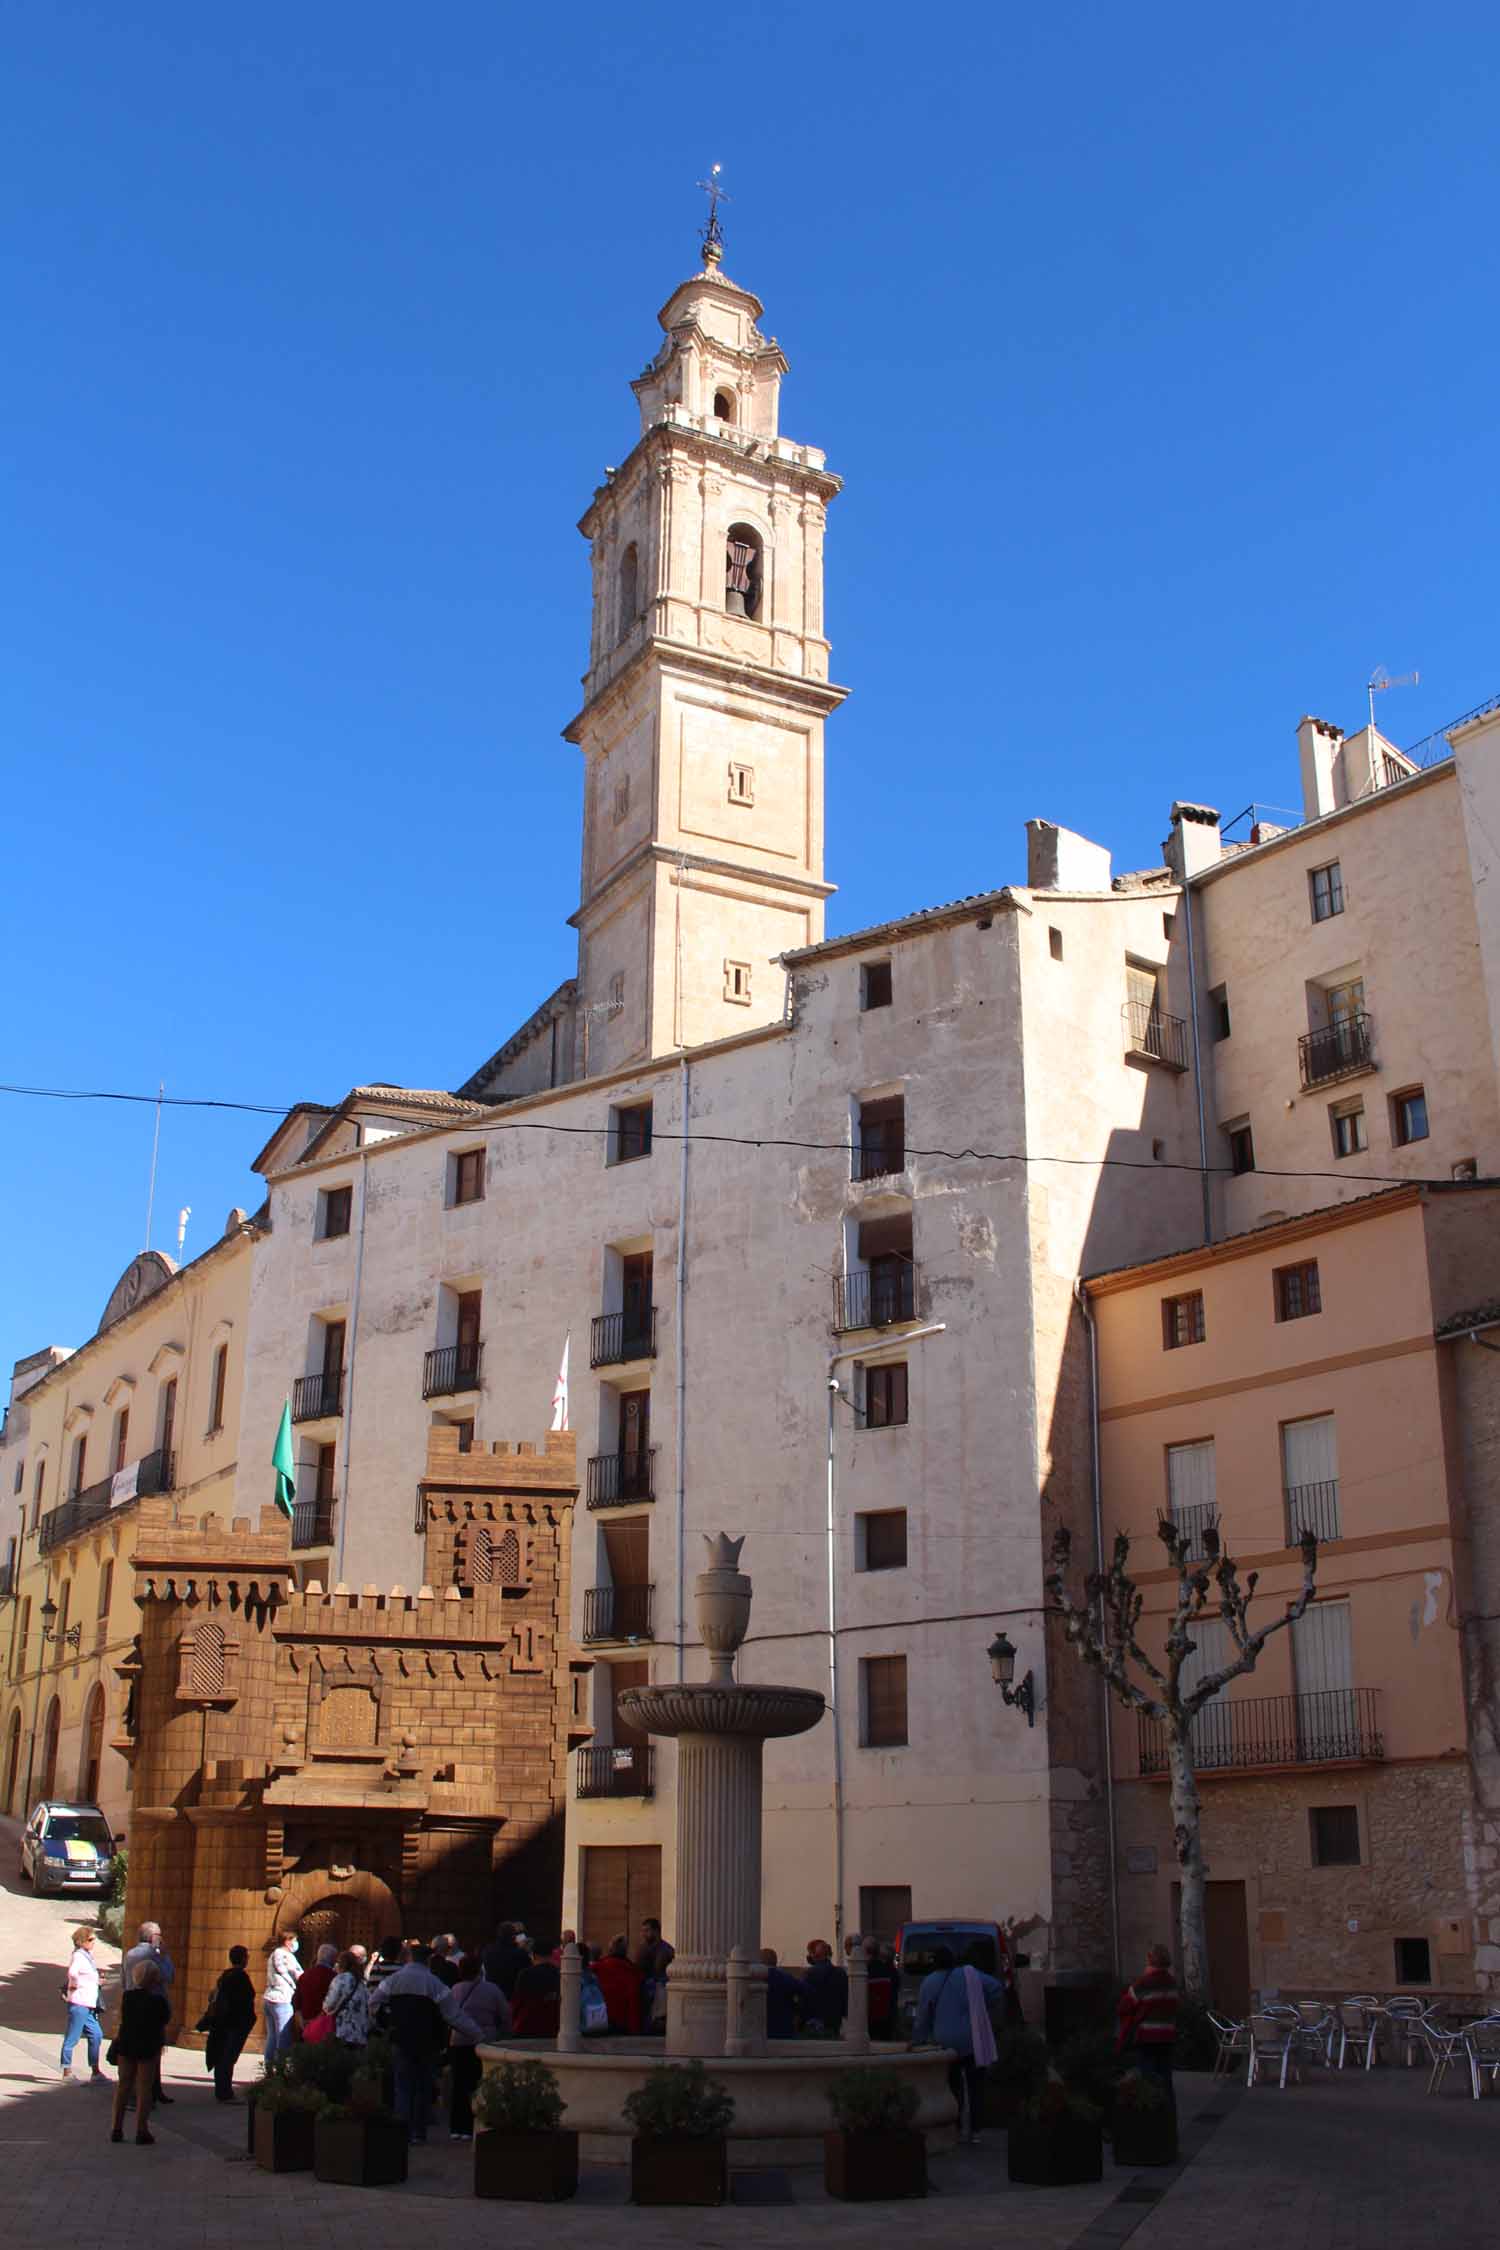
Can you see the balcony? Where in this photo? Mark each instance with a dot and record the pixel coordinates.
(1160, 1038)
(1331, 1727)
(1340, 1050)
(617, 1613)
(151, 1474)
(452, 1367)
(614, 1478)
(874, 1300)
(617, 1771)
(312, 1523)
(316, 1396)
(617, 1337)
(1314, 1508)
(1193, 1522)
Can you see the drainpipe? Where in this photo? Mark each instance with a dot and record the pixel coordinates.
(835, 1359)
(349, 1362)
(1203, 1179)
(1082, 1295)
(682, 1219)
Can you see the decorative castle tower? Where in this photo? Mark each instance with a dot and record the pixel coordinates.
(705, 697)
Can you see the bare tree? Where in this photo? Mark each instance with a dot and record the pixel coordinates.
(1104, 1628)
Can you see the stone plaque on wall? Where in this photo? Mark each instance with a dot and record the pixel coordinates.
(1140, 1859)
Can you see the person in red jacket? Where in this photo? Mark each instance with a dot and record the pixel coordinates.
(1148, 2018)
(620, 1982)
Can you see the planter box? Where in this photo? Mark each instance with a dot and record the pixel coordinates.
(282, 2142)
(1144, 2136)
(875, 2167)
(1065, 2153)
(678, 2171)
(359, 2151)
(526, 2167)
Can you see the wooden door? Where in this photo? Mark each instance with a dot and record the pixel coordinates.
(333, 1353)
(1228, 1947)
(635, 1295)
(628, 1547)
(635, 1445)
(469, 1305)
(619, 1886)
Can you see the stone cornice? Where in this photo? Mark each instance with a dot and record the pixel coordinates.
(816, 698)
(701, 449)
(697, 863)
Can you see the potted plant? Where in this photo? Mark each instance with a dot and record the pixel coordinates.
(282, 2115)
(523, 2153)
(874, 2152)
(357, 2142)
(1018, 2071)
(680, 2119)
(1143, 2122)
(1055, 2140)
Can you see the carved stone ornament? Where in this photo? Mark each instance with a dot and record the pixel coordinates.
(722, 1604)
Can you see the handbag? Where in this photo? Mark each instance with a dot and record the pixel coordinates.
(319, 2028)
(112, 2054)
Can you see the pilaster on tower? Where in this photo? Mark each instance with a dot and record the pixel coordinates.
(705, 697)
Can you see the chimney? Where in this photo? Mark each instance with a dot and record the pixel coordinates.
(1194, 841)
(1318, 746)
(1057, 860)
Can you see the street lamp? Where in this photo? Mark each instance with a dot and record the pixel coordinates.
(1002, 1658)
(72, 1634)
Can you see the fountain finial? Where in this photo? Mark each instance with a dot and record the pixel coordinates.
(722, 1604)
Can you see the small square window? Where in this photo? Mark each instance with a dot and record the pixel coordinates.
(1241, 1147)
(1168, 925)
(1409, 1116)
(1326, 885)
(1182, 1320)
(1348, 1125)
(1334, 1835)
(885, 1394)
(882, 1702)
(1298, 1291)
(616, 1002)
(334, 1207)
(630, 1133)
(1218, 1011)
(468, 1176)
(741, 784)
(880, 1540)
(1055, 943)
(737, 983)
(875, 985)
(1413, 1960)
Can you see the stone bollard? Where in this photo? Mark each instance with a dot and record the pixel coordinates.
(570, 2002)
(857, 2022)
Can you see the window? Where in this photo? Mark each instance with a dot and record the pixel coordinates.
(1347, 1120)
(1055, 944)
(75, 1472)
(616, 1002)
(470, 1306)
(1323, 1676)
(36, 1494)
(1191, 1490)
(1413, 1960)
(724, 406)
(1334, 1835)
(741, 783)
(737, 982)
(1326, 885)
(622, 798)
(883, 1910)
(465, 1428)
(629, 590)
(327, 1469)
(742, 571)
(216, 1389)
(334, 1208)
(882, 1702)
(1168, 925)
(122, 1439)
(24, 1635)
(880, 1540)
(630, 1133)
(334, 1334)
(1310, 1478)
(1218, 1012)
(168, 1416)
(106, 1589)
(20, 1473)
(1297, 1291)
(874, 985)
(468, 1176)
(1345, 1003)
(1182, 1320)
(1241, 1146)
(880, 1147)
(885, 1395)
(1408, 1116)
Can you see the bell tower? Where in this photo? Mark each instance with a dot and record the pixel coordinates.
(705, 697)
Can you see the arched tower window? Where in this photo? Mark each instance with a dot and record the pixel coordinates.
(724, 405)
(630, 602)
(481, 1556)
(742, 571)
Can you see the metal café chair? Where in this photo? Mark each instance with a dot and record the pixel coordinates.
(1482, 2047)
(1405, 2016)
(1316, 2031)
(1233, 2042)
(1272, 2047)
(1357, 2032)
(1445, 2049)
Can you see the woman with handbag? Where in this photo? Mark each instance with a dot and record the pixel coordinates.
(346, 2004)
(82, 1995)
(145, 2016)
(228, 2020)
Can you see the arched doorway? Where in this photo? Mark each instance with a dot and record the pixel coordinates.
(12, 1760)
(50, 1732)
(359, 1911)
(92, 1754)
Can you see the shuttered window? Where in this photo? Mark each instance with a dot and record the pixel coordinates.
(882, 1696)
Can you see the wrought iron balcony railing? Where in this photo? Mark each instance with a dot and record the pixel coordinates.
(1338, 1051)
(153, 1474)
(614, 1478)
(1330, 1726)
(616, 1337)
(1148, 1031)
(617, 1770)
(314, 1396)
(1194, 1522)
(875, 1300)
(617, 1613)
(452, 1367)
(1314, 1508)
(312, 1523)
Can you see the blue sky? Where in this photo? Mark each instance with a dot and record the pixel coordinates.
(1156, 347)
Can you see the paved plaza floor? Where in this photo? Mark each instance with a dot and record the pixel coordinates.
(1353, 2162)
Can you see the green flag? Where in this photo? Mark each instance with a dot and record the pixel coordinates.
(284, 1462)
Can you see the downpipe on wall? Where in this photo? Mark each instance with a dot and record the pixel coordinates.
(1096, 1482)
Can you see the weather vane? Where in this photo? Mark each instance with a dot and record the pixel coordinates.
(713, 233)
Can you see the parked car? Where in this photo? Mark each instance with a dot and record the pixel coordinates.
(981, 1944)
(67, 1848)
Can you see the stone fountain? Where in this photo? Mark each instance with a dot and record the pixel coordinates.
(716, 1992)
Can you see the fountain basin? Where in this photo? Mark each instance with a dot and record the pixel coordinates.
(780, 2097)
(731, 1707)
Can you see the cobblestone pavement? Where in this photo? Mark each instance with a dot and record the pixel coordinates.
(1353, 2163)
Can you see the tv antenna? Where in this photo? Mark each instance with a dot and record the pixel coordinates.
(1380, 679)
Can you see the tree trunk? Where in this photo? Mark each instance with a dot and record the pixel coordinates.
(1187, 1838)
